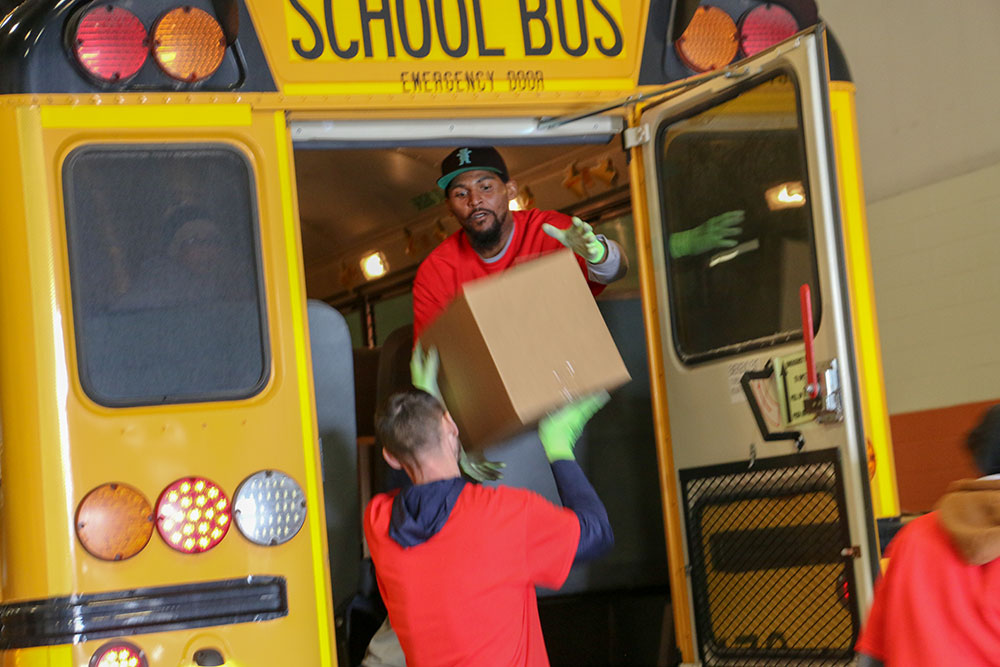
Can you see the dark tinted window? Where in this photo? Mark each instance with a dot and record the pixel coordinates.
(738, 223)
(165, 273)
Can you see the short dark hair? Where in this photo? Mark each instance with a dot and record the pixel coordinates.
(984, 442)
(408, 424)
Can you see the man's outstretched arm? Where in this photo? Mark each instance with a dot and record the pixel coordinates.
(559, 433)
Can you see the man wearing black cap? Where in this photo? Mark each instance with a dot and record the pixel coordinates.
(493, 238)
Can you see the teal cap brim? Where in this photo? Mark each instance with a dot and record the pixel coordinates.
(448, 178)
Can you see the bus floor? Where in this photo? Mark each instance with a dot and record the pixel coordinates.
(621, 627)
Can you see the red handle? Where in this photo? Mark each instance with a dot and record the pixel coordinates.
(805, 297)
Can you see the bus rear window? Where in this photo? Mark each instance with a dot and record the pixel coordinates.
(165, 273)
(737, 223)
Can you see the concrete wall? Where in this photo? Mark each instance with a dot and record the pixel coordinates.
(936, 256)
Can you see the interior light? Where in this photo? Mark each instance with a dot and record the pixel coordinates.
(188, 44)
(192, 515)
(785, 195)
(764, 26)
(114, 522)
(269, 508)
(110, 43)
(374, 265)
(515, 204)
(118, 654)
(710, 40)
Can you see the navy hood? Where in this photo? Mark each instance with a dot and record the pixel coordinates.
(419, 512)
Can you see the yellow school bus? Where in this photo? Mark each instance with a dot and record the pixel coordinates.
(181, 468)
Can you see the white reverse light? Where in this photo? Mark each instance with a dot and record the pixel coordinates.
(269, 508)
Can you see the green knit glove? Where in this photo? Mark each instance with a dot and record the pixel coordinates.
(714, 233)
(560, 430)
(476, 467)
(580, 238)
(424, 370)
(423, 375)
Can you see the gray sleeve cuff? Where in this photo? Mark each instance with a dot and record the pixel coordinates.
(614, 266)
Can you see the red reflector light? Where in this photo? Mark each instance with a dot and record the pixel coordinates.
(119, 654)
(110, 43)
(765, 26)
(192, 515)
(709, 42)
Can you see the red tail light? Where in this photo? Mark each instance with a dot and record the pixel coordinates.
(110, 43)
(118, 654)
(765, 26)
(193, 515)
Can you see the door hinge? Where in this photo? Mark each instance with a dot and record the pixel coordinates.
(636, 136)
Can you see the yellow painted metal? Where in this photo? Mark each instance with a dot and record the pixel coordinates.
(58, 444)
(36, 528)
(328, 49)
(42, 656)
(673, 529)
(297, 306)
(150, 115)
(885, 494)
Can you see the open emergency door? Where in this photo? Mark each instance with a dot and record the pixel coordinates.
(766, 490)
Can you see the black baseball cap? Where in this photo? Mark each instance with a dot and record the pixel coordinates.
(469, 158)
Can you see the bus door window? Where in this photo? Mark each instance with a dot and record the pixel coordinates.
(165, 272)
(740, 166)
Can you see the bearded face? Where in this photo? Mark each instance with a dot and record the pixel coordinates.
(479, 201)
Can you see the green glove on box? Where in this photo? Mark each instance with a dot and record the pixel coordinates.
(560, 430)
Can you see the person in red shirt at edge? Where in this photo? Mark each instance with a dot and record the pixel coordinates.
(457, 563)
(493, 238)
(938, 602)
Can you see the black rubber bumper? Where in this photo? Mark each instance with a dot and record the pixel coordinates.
(79, 618)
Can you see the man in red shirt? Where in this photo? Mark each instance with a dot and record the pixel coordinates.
(938, 602)
(457, 563)
(493, 238)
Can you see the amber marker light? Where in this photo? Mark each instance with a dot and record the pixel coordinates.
(188, 44)
(118, 654)
(110, 43)
(710, 40)
(114, 522)
(192, 515)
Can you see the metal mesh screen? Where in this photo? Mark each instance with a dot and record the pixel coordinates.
(771, 584)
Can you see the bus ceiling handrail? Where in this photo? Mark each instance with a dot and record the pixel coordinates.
(449, 131)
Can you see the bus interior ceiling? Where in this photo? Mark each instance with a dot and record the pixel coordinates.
(358, 201)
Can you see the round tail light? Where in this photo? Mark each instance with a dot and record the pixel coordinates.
(710, 40)
(192, 515)
(188, 44)
(118, 654)
(114, 522)
(110, 43)
(764, 26)
(269, 508)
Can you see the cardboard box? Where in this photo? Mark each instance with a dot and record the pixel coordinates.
(520, 344)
